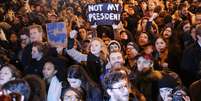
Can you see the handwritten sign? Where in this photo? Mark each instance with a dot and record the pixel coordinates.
(57, 34)
(104, 13)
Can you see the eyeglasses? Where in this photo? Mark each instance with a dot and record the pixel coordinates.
(120, 87)
(71, 98)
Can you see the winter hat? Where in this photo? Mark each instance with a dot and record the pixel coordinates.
(114, 42)
(167, 81)
(134, 45)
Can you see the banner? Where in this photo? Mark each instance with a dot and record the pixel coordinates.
(104, 13)
(57, 34)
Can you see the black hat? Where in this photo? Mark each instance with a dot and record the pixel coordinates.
(134, 45)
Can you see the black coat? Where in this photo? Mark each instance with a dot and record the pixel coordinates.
(191, 64)
(94, 67)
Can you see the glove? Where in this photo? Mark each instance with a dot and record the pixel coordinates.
(94, 26)
(73, 33)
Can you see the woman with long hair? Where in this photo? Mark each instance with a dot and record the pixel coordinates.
(96, 58)
(79, 79)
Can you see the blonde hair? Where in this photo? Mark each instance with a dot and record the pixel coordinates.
(39, 27)
(104, 52)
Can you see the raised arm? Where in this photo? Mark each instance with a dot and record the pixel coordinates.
(72, 52)
(76, 55)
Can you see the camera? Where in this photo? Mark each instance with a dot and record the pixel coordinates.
(178, 96)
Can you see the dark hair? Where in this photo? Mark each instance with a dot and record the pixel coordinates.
(80, 93)
(18, 86)
(77, 71)
(198, 30)
(182, 5)
(138, 36)
(15, 72)
(87, 84)
(37, 86)
(59, 65)
(39, 46)
(74, 72)
(112, 78)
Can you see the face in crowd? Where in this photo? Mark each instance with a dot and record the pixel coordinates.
(49, 70)
(116, 57)
(143, 64)
(131, 52)
(74, 82)
(160, 45)
(6, 74)
(198, 18)
(71, 95)
(187, 27)
(83, 33)
(95, 47)
(114, 46)
(143, 39)
(167, 33)
(36, 54)
(35, 35)
(119, 91)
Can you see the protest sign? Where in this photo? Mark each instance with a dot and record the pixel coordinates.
(57, 34)
(104, 13)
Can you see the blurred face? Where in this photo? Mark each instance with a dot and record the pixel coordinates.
(131, 11)
(144, 23)
(198, 18)
(193, 33)
(114, 48)
(95, 47)
(151, 5)
(148, 50)
(165, 93)
(116, 57)
(143, 64)
(167, 33)
(106, 40)
(83, 33)
(187, 27)
(5, 75)
(35, 53)
(48, 70)
(35, 35)
(169, 5)
(131, 52)
(143, 39)
(119, 91)
(125, 15)
(144, 5)
(184, 11)
(70, 95)
(75, 83)
(124, 36)
(13, 38)
(160, 45)
(24, 40)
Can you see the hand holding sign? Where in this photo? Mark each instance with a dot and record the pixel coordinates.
(94, 26)
(73, 33)
(57, 34)
(104, 13)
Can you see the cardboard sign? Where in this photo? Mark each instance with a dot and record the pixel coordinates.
(104, 13)
(57, 34)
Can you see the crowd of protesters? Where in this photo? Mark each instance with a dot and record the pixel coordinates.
(152, 54)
